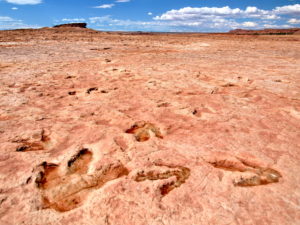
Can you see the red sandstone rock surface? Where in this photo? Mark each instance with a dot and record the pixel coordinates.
(120, 128)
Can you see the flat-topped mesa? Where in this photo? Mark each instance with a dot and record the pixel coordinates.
(265, 31)
(80, 25)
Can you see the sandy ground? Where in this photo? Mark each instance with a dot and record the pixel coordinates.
(123, 128)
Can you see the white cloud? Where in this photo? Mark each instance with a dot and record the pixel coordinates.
(249, 24)
(109, 23)
(251, 9)
(226, 18)
(294, 21)
(99, 19)
(189, 13)
(212, 24)
(123, 1)
(275, 26)
(105, 6)
(14, 8)
(24, 2)
(288, 9)
(5, 19)
(73, 20)
(7, 22)
(272, 17)
(203, 19)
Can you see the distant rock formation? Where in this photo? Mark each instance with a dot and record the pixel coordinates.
(265, 31)
(80, 25)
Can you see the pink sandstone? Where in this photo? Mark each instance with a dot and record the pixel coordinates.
(121, 128)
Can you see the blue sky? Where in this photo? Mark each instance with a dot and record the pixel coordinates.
(152, 15)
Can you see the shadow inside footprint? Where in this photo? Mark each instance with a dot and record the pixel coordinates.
(79, 163)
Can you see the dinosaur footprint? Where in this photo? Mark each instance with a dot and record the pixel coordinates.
(180, 173)
(65, 187)
(256, 175)
(142, 131)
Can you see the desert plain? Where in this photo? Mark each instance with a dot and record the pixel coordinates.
(148, 128)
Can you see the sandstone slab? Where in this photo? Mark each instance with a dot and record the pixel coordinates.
(125, 128)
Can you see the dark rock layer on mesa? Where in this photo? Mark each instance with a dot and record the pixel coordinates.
(80, 25)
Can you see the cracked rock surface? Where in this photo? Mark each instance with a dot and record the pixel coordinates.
(162, 129)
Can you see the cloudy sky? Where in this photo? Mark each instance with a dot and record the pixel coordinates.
(152, 15)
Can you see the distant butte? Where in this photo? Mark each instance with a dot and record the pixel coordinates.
(266, 31)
